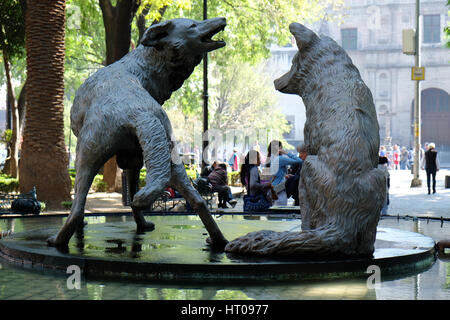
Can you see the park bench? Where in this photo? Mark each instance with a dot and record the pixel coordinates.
(164, 202)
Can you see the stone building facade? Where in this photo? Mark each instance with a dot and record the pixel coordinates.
(371, 33)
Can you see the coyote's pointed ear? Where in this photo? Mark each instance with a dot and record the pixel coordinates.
(303, 36)
(155, 33)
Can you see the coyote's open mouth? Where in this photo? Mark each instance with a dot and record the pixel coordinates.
(213, 26)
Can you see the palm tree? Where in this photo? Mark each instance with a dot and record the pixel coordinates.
(44, 160)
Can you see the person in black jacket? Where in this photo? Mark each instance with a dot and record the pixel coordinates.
(431, 164)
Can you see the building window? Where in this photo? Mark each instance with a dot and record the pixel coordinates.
(291, 133)
(383, 85)
(349, 38)
(431, 28)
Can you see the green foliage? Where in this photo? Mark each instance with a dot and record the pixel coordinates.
(8, 184)
(85, 52)
(43, 206)
(234, 178)
(447, 28)
(72, 173)
(98, 185)
(155, 7)
(253, 25)
(85, 43)
(6, 136)
(12, 28)
(67, 205)
(191, 173)
(142, 176)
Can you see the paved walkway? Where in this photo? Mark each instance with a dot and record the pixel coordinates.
(404, 199)
(416, 201)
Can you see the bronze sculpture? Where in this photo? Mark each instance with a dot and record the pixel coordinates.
(341, 189)
(118, 111)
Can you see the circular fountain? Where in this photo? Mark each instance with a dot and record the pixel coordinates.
(177, 251)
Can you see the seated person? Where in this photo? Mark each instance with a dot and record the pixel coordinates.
(278, 161)
(208, 169)
(250, 176)
(219, 181)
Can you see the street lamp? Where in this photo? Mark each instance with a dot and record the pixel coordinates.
(205, 92)
(411, 45)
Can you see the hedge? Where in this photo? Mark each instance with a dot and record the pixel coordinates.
(8, 184)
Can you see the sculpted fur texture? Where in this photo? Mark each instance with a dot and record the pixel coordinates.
(341, 189)
(118, 111)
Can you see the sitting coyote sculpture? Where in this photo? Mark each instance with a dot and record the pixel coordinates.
(341, 189)
(117, 111)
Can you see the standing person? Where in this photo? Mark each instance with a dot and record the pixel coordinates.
(294, 178)
(234, 160)
(383, 164)
(410, 158)
(396, 157)
(403, 158)
(219, 181)
(390, 164)
(279, 160)
(431, 164)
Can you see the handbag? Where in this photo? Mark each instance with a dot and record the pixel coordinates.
(256, 203)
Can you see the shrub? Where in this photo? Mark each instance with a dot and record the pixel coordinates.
(192, 173)
(234, 178)
(142, 176)
(72, 173)
(8, 184)
(66, 205)
(99, 185)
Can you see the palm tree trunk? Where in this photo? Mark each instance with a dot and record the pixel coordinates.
(44, 158)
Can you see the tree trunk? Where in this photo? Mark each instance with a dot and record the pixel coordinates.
(43, 157)
(22, 106)
(117, 21)
(13, 159)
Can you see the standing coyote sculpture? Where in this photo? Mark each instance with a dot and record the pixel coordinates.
(341, 189)
(117, 111)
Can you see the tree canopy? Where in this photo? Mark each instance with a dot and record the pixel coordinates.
(12, 28)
